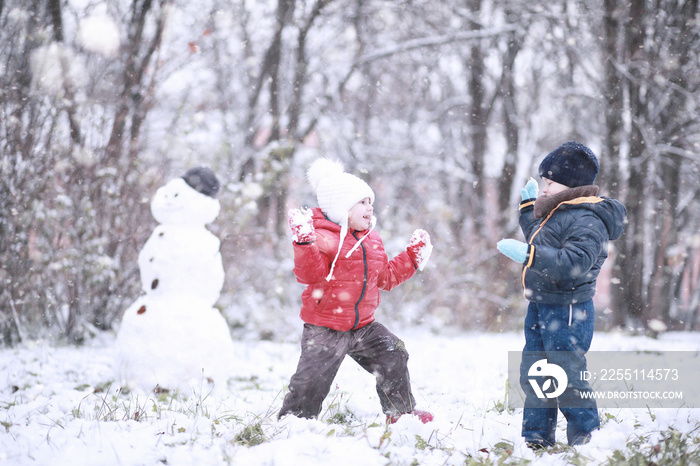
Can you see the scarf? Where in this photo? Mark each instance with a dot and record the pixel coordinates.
(545, 204)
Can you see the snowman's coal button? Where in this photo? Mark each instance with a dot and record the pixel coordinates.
(154, 284)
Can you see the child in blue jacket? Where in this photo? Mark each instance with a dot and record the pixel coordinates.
(567, 228)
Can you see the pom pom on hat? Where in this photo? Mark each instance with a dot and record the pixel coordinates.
(203, 180)
(336, 191)
(571, 164)
(322, 169)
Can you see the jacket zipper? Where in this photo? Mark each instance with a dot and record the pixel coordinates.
(364, 285)
(531, 246)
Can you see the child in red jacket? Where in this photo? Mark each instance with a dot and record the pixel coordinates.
(341, 259)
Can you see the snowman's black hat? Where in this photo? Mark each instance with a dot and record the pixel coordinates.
(203, 180)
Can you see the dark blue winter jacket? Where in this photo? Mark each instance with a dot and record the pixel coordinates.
(568, 236)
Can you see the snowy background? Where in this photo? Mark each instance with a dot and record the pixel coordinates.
(392, 89)
(60, 405)
(444, 109)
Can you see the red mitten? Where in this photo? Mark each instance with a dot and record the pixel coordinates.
(302, 225)
(420, 248)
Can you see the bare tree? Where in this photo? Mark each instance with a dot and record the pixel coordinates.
(660, 49)
(84, 213)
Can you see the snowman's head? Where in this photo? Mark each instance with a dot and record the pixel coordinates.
(177, 203)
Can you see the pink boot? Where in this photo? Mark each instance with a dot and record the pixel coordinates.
(424, 416)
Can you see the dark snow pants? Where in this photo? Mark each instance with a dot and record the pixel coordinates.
(373, 347)
(562, 335)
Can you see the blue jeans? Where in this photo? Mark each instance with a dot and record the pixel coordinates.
(562, 335)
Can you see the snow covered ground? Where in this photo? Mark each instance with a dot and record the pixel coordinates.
(60, 405)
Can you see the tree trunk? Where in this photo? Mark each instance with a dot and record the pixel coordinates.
(631, 251)
(610, 171)
(478, 121)
(510, 121)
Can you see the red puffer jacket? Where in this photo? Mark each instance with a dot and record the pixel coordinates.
(348, 300)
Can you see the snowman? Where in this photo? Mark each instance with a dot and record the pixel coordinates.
(172, 337)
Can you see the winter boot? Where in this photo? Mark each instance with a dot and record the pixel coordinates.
(424, 416)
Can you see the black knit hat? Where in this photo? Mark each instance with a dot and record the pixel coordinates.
(571, 164)
(203, 180)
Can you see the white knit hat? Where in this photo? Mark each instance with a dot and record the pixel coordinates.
(337, 192)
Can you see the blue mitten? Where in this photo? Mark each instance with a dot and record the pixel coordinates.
(514, 249)
(530, 190)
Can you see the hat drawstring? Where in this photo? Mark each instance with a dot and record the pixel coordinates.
(343, 233)
(372, 224)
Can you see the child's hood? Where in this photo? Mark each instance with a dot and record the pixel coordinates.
(612, 213)
(321, 221)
